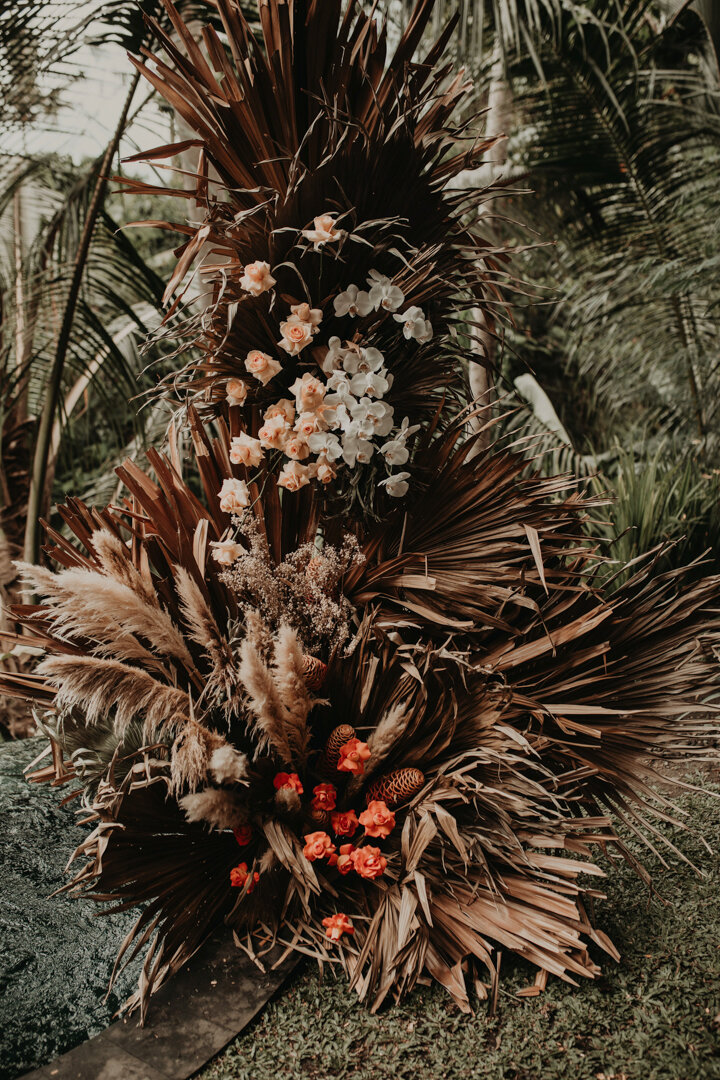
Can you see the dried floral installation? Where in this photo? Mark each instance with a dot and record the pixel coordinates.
(342, 677)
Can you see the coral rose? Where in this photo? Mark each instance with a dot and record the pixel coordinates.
(344, 863)
(257, 278)
(294, 476)
(324, 797)
(353, 755)
(369, 862)
(243, 834)
(234, 496)
(344, 822)
(262, 366)
(244, 450)
(236, 391)
(318, 845)
(378, 819)
(288, 780)
(326, 472)
(336, 926)
(239, 875)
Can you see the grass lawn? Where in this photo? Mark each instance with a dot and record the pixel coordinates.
(655, 1015)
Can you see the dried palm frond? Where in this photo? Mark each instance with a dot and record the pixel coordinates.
(488, 712)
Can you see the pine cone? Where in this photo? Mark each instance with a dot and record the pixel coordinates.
(314, 672)
(319, 817)
(396, 787)
(338, 738)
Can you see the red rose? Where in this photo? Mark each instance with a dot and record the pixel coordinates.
(344, 822)
(378, 819)
(288, 780)
(239, 875)
(243, 834)
(324, 797)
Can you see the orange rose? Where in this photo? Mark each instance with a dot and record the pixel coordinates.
(344, 822)
(369, 862)
(239, 875)
(318, 845)
(353, 755)
(296, 334)
(344, 863)
(243, 834)
(378, 819)
(324, 797)
(336, 926)
(296, 448)
(288, 780)
(256, 278)
(273, 433)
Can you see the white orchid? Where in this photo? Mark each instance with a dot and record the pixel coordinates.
(352, 302)
(356, 449)
(327, 444)
(415, 325)
(395, 452)
(383, 294)
(334, 356)
(376, 413)
(372, 383)
(396, 485)
(358, 359)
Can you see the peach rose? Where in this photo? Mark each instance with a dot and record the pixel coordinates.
(323, 232)
(288, 780)
(226, 551)
(305, 313)
(308, 423)
(318, 845)
(273, 433)
(244, 450)
(234, 496)
(369, 862)
(309, 392)
(353, 755)
(296, 334)
(344, 822)
(336, 926)
(257, 278)
(243, 834)
(325, 472)
(378, 819)
(236, 391)
(293, 476)
(239, 875)
(296, 448)
(324, 797)
(262, 366)
(284, 407)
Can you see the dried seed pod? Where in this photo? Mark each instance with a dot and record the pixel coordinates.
(338, 737)
(314, 672)
(396, 787)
